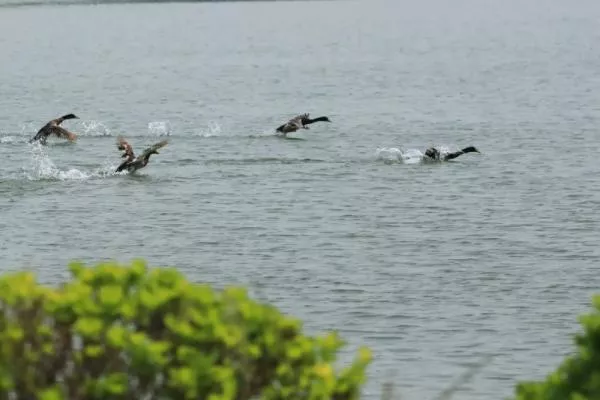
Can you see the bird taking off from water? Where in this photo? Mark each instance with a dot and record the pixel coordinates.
(133, 163)
(433, 154)
(53, 128)
(299, 122)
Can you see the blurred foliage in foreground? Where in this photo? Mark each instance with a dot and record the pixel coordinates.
(129, 332)
(578, 377)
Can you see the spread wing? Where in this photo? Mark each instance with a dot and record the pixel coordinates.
(123, 145)
(153, 148)
(297, 120)
(44, 132)
(63, 133)
(293, 124)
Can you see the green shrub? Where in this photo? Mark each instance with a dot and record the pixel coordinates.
(578, 377)
(117, 332)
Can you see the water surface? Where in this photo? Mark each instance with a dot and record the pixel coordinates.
(433, 266)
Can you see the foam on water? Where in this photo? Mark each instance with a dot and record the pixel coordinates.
(95, 128)
(396, 155)
(43, 168)
(11, 139)
(405, 156)
(159, 128)
(212, 129)
(429, 267)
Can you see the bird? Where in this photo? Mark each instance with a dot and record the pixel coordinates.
(53, 128)
(300, 122)
(433, 154)
(133, 163)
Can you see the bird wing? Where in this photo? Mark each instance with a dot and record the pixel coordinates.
(43, 132)
(153, 148)
(293, 124)
(63, 133)
(297, 120)
(123, 145)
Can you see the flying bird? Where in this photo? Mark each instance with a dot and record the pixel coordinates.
(53, 128)
(300, 122)
(133, 163)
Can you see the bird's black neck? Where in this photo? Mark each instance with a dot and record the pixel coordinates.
(147, 158)
(469, 149)
(311, 120)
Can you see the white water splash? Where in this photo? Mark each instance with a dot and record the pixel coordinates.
(396, 155)
(95, 128)
(213, 129)
(43, 168)
(11, 139)
(159, 128)
(28, 130)
(408, 156)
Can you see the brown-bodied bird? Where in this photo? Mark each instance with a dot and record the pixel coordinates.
(53, 128)
(133, 163)
(299, 122)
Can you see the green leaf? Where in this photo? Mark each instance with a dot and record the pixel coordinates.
(158, 352)
(294, 352)
(187, 354)
(48, 349)
(6, 380)
(254, 351)
(148, 299)
(116, 336)
(203, 294)
(53, 393)
(89, 327)
(115, 384)
(183, 377)
(15, 333)
(126, 328)
(110, 296)
(44, 330)
(93, 351)
(138, 268)
(76, 268)
(128, 310)
(167, 277)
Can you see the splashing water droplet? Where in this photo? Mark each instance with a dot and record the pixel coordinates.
(159, 128)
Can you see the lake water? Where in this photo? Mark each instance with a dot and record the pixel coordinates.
(432, 266)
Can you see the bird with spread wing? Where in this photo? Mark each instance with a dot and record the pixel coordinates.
(299, 122)
(53, 128)
(133, 163)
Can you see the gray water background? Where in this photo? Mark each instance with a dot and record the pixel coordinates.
(432, 266)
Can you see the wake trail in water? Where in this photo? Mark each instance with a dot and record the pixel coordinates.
(267, 160)
(92, 129)
(95, 129)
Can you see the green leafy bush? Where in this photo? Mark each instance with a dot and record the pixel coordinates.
(129, 332)
(578, 377)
